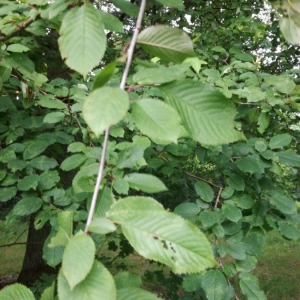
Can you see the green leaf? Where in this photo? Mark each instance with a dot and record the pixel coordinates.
(145, 182)
(43, 163)
(231, 212)
(98, 284)
(280, 141)
(78, 259)
(65, 229)
(104, 107)
(27, 206)
(290, 159)
(48, 180)
(52, 255)
(6, 155)
(168, 43)
(17, 48)
(16, 291)
(187, 210)
(72, 162)
(236, 182)
(52, 103)
(16, 164)
(157, 120)
(250, 288)
(28, 182)
(125, 279)
(162, 74)
(104, 202)
(214, 285)
(205, 191)
(7, 193)
(102, 226)
(76, 147)
(82, 24)
(121, 186)
(130, 158)
(209, 218)
(134, 293)
(283, 203)
(111, 22)
(180, 244)
(289, 230)
(171, 3)
(263, 122)
(34, 148)
(54, 117)
(205, 113)
(104, 75)
(127, 7)
(192, 282)
(248, 165)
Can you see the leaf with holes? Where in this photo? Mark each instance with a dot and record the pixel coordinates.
(162, 236)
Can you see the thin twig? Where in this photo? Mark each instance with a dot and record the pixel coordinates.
(122, 86)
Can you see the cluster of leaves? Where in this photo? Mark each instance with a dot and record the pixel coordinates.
(234, 122)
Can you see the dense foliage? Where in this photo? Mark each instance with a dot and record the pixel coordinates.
(205, 116)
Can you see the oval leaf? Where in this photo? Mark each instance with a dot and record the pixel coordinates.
(78, 259)
(157, 120)
(104, 107)
(82, 42)
(98, 284)
(145, 182)
(168, 43)
(16, 292)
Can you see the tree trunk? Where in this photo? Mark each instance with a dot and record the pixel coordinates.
(34, 265)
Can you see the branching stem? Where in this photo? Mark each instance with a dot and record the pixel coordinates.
(122, 86)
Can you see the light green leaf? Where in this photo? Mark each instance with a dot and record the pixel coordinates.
(214, 284)
(104, 75)
(180, 244)
(130, 158)
(54, 117)
(76, 147)
(125, 279)
(7, 193)
(171, 3)
(231, 212)
(251, 93)
(149, 76)
(187, 210)
(72, 162)
(246, 265)
(78, 259)
(168, 43)
(52, 255)
(205, 112)
(111, 22)
(82, 24)
(134, 293)
(48, 293)
(102, 226)
(98, 284)
(51, 103)
(145, 182)
(121, 186)
(34, 148)
(281, 83)
(250, 287)
(157, 120)
(17, 48)
(104, 107)
(28, 182)
(280, 141)
(27, 205)
(127, 7)
(104, 202)
(290, 30)
(43, 163)
(16, 292)
(205, 191)
(290, 159)
(284, 203)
